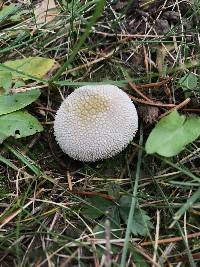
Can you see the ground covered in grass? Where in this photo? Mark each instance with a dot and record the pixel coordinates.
(56, 211)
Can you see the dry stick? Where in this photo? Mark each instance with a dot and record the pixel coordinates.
(192, 110)
(107, 262)
(154, 85)
(156, 236)
(152, 103)
(94, 194)
(91, 62)
(179, 106)
(29, 88)
(128, 35)
(46, 109)
(69, 259)
(135, 88)
(145, 59)
(196, 256)
(133, 35)
(69, 180)
(145, 255)
(15, 213)
(169, 240)
(148, 100)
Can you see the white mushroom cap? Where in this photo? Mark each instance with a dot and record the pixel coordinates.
(95, 122)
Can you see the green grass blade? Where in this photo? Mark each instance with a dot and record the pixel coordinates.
(186, 206)
(133, 203)
(24, 159)
(4, 67)
(96, 15)
(8, 163)
(185, 171)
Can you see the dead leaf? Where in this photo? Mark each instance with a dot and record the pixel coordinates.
(45, 11)
(149, 114)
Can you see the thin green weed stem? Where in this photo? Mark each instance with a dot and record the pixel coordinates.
(97, 13)
(133, 203)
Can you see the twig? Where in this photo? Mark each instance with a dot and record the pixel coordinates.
(28, 88)
(69, 181)
(169, 240)
(128, 35)
(192, 110)
(69, 259)
(15, 213)
(145, 59)
(144, 254)
(135, 88)
(94, 194)
(47, 109)
(179, 106)
(107, 262)
(152, 103)
(88, 64)
(156, 236)
(132, 35)
(154, 85)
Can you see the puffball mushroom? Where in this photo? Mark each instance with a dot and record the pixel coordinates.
(95, 122)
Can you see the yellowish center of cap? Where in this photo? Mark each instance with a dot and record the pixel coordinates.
(87, 109)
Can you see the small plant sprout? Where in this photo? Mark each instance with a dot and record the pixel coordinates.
(95, 122)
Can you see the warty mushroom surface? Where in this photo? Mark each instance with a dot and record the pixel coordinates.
(95, 122)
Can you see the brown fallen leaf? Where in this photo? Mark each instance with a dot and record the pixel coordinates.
(149, 114)
(45, 12)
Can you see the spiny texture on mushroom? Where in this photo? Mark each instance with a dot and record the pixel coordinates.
(95, 122)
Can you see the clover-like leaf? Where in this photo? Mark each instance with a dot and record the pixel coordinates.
(97, 207)
(141, 221)
(188, 82)
(172, 133)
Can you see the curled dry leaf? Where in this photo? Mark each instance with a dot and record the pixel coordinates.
(149, 114)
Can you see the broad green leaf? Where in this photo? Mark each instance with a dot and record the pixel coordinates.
(189, 81)
(19, 83)
(10, 103)
(172, 133)
(33, 66)
(141, 221)
(18, 124)
(5, 80)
